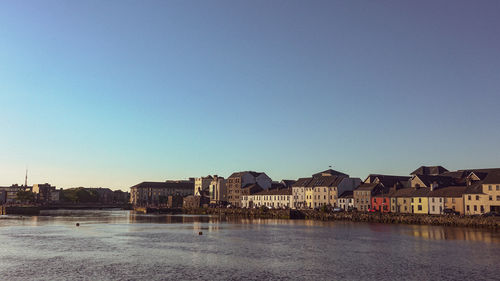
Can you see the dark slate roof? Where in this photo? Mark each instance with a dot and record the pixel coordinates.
(492, 178)
(167, 184)
(475, 188)
(325, 181)
(449, 191)
(253, 188)
(347, 194)
(440, 180)
(421, 192)
(281, 191)
(288, 183)
(429, 170)
(302, 182)
(456, 174)
(404, 192)
(240, 174)
(366, 187)
(330, 172)
(388, 180)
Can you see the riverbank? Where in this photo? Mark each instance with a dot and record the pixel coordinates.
(444, 220)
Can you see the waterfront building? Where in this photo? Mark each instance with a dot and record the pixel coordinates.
(202, 184)
(277, 198)
(8, 194)
(346, 200)
(156, 193)
(450, 197)
(401, 200)
(217, 190)
(491, 189)
(322, 189)
(46, 193)
(363, 195)
(237, 182)
(382, 196)
(299, 193)
(483, 196)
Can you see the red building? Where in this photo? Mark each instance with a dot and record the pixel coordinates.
(381, 202)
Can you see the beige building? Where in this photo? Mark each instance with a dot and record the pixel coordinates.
(201, 185)
(450, 197)
(363, 195)
(299, 193)
(217, 190)
(483, 196)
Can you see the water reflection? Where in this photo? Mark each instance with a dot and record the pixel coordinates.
(213, 224)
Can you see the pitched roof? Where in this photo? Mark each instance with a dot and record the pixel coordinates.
(366, 187)
(347, 194)
(442, 181)
(429, 170)
(404, 192)
(288, 183)
(449, 191)
(388, 180)
(330, 172)
(167, 184)
(281, 191)
(475, 188)
(325, 181)
(492, 178)
(302, 182)
(253, 188)
(240, 174)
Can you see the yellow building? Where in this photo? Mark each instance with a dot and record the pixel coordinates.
(420, 200)
(483, 197)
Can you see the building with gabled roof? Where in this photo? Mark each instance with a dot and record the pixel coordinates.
(240, 180)
(429, 170)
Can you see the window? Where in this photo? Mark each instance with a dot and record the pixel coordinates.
(433, 209)
(491, 198)
(475, 208)
(468, 208)
(498, 187)
(469, 197)
(453, 200)
(433, 202)
(490, 188)
(498, 197)
(482, 209)
(440, 200)
(420, 207)
(419, 200)
(477, 197)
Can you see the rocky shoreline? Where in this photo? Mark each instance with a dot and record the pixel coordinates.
(417, 219)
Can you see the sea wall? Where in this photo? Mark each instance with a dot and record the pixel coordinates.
(445, 220)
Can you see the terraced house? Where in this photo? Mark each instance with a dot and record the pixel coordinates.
(277, 198)
(323, 188)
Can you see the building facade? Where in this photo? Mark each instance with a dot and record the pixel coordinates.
(238, 181)
(157, 193)
(201, 185)
(217, 190)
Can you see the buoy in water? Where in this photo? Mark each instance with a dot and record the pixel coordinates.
(200, 233)
(77, 224)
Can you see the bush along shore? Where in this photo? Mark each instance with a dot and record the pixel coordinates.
(394, 218)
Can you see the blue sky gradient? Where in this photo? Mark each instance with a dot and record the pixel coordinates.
(111, 93)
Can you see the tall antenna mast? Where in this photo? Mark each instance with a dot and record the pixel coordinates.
(26, 179)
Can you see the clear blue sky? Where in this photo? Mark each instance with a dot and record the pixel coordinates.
(111, 93)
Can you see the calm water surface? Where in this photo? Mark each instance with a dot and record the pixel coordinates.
(121, 245)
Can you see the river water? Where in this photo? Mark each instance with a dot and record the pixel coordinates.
(122, 245)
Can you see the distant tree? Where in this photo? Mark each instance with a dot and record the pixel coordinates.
(26, 196)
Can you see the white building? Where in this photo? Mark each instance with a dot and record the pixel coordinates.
(217, 190)
(346, 200)
(274, 199)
